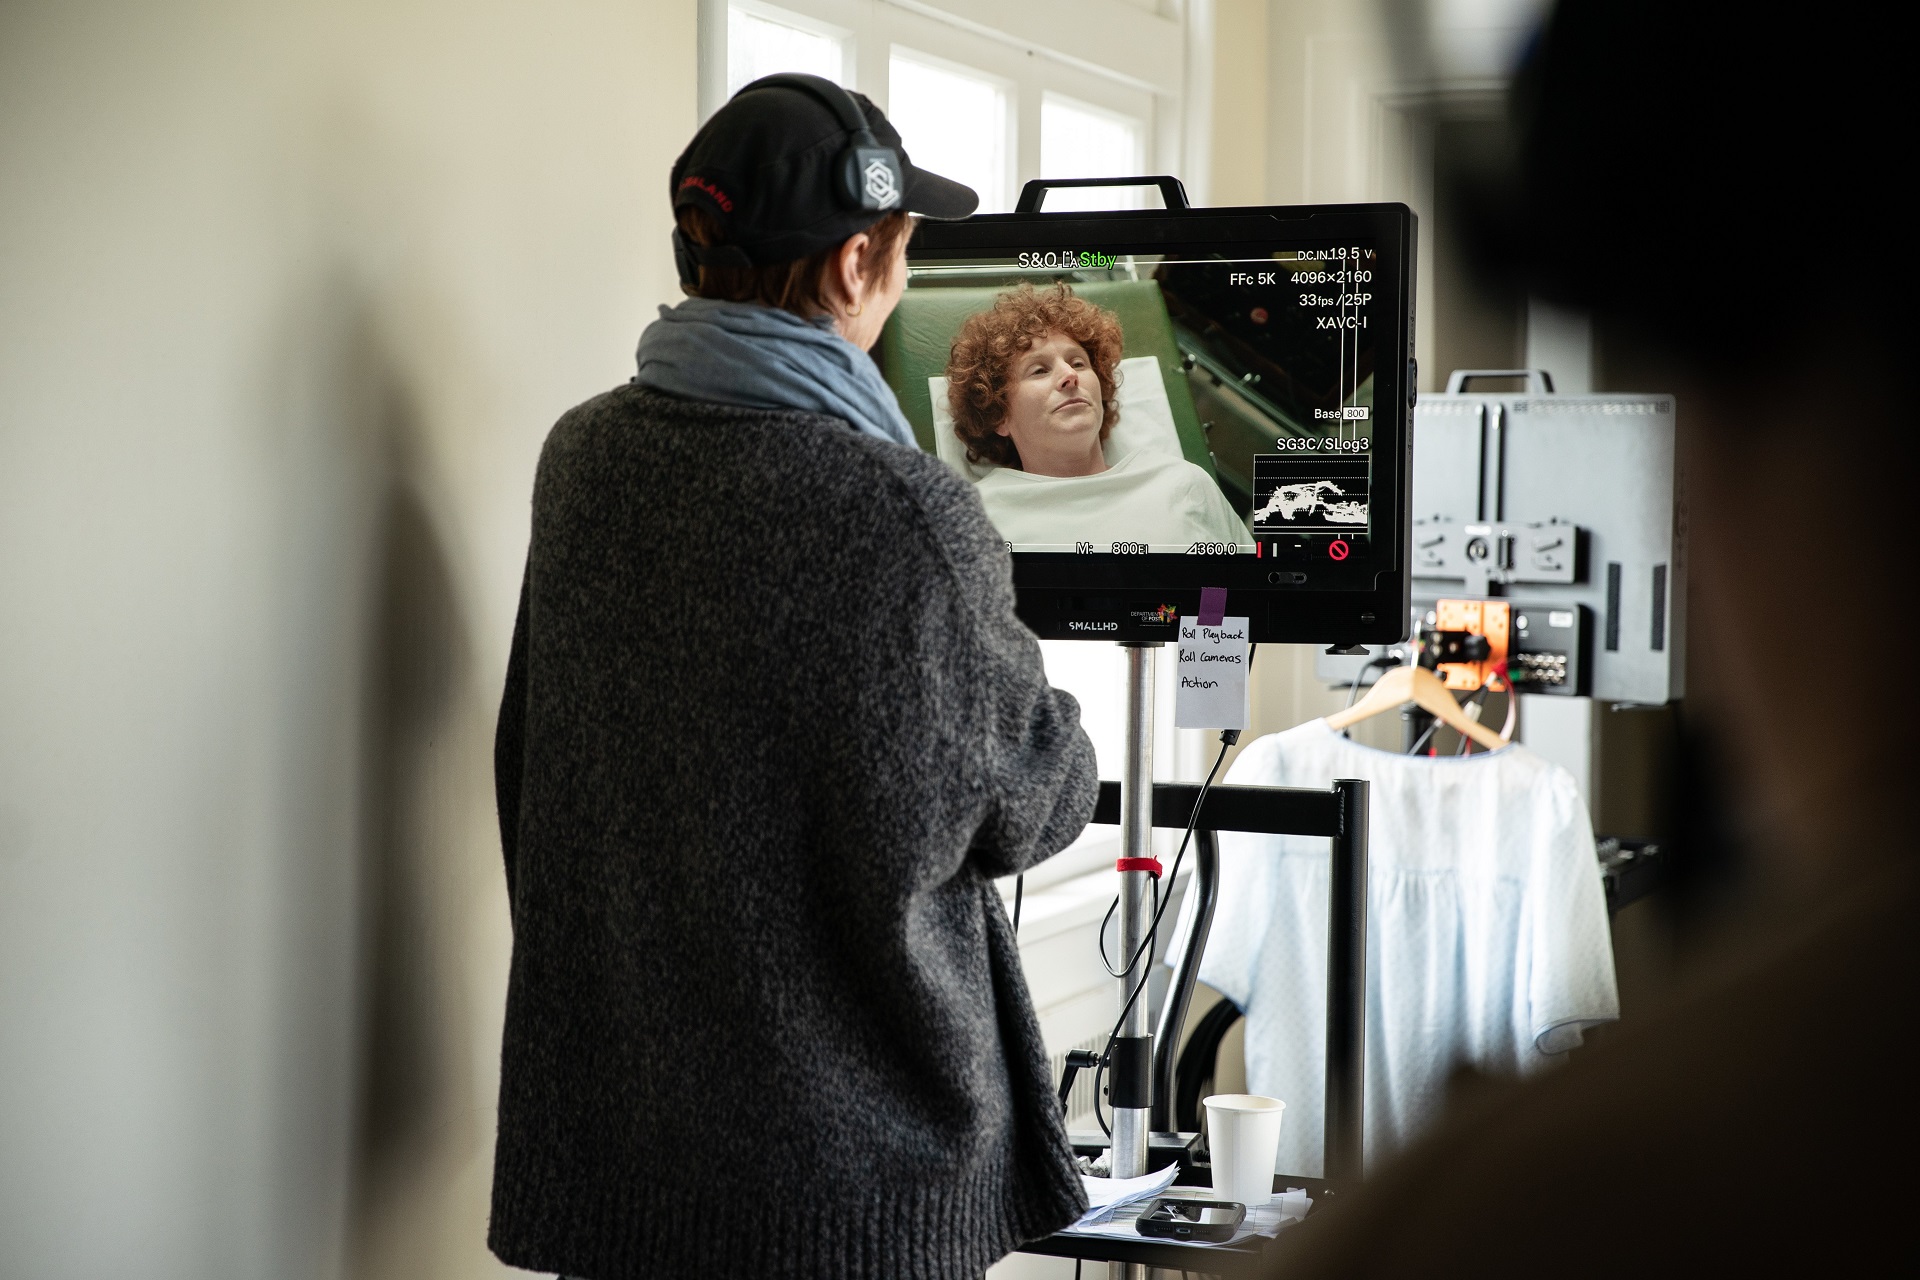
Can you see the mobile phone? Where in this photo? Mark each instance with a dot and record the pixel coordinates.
(1208, 1221)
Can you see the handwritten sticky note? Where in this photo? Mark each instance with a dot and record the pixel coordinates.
(1210, 675)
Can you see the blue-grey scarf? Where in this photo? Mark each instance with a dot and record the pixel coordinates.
(764, 358)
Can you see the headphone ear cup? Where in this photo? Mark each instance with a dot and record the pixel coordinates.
(878, 180)
(850, 193)
(683, 260)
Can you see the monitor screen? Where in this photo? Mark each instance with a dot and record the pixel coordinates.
(1150, 403)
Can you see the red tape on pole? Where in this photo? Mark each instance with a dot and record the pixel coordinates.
(1149, 865)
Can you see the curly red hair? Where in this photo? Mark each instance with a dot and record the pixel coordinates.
(980, 364)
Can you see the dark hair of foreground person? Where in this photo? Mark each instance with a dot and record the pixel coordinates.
(1712, 186)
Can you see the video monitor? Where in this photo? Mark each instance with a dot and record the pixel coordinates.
(1154, 402)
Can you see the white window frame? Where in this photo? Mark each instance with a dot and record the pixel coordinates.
(797, 19)
(1133, 60)
(1094, 109)
(1010, 177)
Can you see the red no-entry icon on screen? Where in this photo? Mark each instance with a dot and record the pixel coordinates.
(1338, 550)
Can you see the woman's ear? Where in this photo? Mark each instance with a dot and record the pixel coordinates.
(853, 281)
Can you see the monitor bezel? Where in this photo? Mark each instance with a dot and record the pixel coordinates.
(1116, 597)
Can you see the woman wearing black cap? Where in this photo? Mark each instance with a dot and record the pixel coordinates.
(770, 731)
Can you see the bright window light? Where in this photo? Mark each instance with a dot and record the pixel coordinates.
(1096, 675)
(759, 44)
(953, 123)
(1079, 141)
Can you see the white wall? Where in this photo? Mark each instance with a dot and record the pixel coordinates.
(289, 294)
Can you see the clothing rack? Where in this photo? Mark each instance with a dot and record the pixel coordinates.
(1339, 814)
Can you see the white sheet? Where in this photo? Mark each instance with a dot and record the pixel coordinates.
(1146, 496)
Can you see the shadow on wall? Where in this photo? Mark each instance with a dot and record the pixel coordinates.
(410, 1056)
(424, 1113)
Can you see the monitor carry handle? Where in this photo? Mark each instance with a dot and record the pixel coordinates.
(1035, 192)
(1539, 381)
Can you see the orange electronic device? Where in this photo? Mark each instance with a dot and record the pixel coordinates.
(1488, 619)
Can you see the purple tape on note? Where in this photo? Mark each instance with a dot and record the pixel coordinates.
(1213, 606)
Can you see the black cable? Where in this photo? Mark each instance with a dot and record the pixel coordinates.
(1019, 890)
(1114, 906)
(1227, 738)
(1197, 1063)
(1479, 699)
(1353, 690)
(1104, 962)
(1421, 741)
(1383, 661)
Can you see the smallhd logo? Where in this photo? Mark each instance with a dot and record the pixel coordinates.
(883, 191)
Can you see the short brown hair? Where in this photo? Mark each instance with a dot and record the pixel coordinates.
(979, 365)
(799, 286)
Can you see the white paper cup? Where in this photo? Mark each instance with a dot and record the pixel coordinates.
(1243, 1133)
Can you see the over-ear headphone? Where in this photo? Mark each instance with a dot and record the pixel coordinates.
(866, 175)
(871, 176)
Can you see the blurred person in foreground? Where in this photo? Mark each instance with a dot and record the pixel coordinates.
(771, 729)
(1713, 186)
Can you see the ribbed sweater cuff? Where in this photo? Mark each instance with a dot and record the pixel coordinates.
(950, 1232)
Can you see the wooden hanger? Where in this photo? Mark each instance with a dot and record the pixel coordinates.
(1426, 691)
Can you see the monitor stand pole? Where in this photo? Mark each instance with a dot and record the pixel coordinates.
(1130, 1071)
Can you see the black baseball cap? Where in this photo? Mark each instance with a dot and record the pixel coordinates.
(769, 167)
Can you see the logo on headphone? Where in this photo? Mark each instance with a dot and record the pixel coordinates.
(883, 190)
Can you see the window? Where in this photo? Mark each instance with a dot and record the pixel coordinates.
(1081, 141)
(762, 41)
(982, 92)
(953, 122)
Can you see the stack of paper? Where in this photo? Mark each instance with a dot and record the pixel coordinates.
(1286, 1206)
(1117, 1219)
(1105, 1195)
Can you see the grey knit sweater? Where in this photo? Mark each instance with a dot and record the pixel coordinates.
(770, 729)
